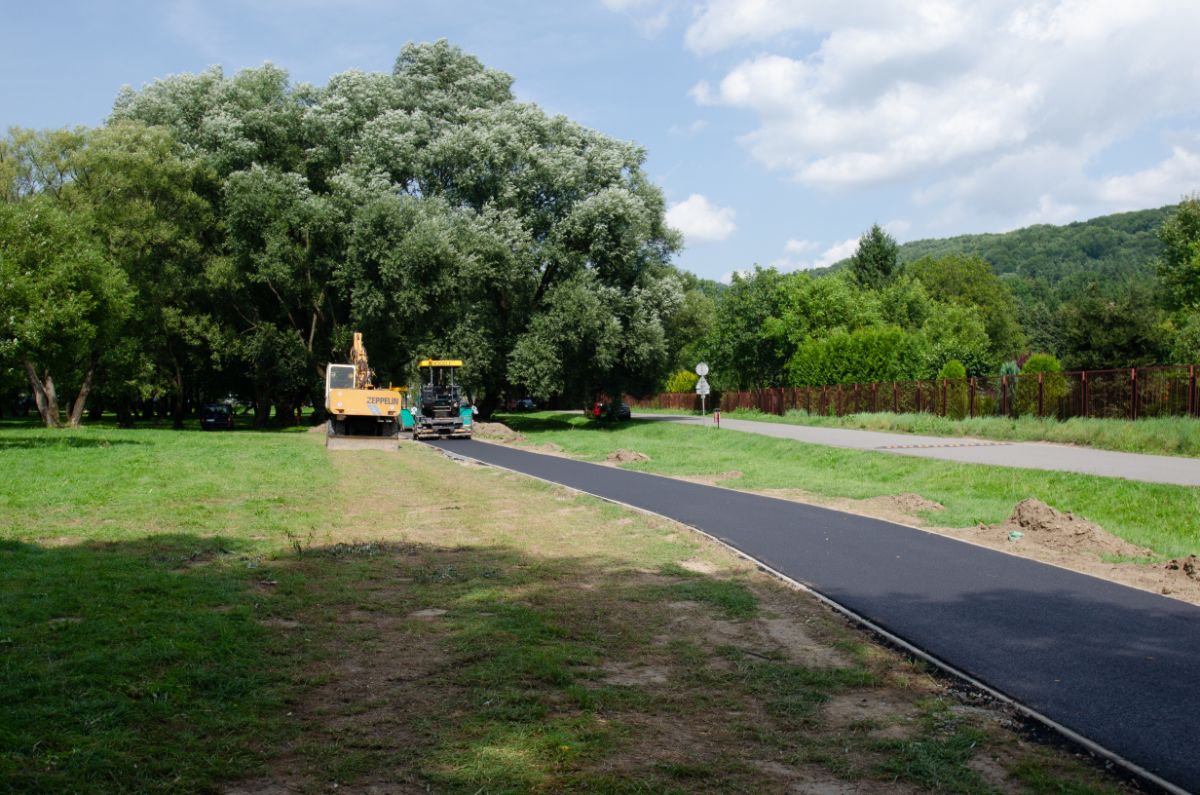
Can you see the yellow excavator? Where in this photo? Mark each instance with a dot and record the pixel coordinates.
(354, 405)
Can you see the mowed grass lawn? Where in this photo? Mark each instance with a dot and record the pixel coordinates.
(249, 612)
(1162, 517)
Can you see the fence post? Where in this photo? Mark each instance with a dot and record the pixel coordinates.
(945, 389)
(1133, 393)
(1083, 401)
(1192, 407)
(971, 407)
(1041, 395)
(1003, 396)
(895, 398)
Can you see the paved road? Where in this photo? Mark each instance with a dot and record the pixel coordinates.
(1025, 455)
(1117, 665)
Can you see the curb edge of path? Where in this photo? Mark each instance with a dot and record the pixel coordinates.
(1125, 764)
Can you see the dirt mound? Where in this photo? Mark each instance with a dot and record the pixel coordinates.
(496, 430)
(1188, 567)
(624, 456)
(1047, 526)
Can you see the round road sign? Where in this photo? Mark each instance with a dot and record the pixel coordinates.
(702, 369)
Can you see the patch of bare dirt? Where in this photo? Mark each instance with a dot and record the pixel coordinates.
(343, 443)
(699, 566)
(815, 781)
(906, 504)
(905, 508)
(280, 623)
(781, 631)
(623, 673)
(1037, 530)
(713, 480)
(881, 714)
(623, 456)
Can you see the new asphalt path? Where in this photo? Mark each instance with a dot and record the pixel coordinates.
(1025, 455)
(1116, 665)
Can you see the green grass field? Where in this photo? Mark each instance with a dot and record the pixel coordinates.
(181, 611)
(1160, 436)
(1164, 518)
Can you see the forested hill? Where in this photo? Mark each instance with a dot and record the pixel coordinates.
(1116, 245)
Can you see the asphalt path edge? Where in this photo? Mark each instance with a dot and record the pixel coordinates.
(1092, 746)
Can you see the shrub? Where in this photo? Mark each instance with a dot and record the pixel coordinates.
(681, 381)
(1054, 385)
(955, 374)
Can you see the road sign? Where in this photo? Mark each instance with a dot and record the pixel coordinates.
(702, 370)
(702, 387)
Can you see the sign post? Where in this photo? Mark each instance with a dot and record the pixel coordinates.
(702, 387)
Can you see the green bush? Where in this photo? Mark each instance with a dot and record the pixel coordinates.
(681, 381)
(863, 356)
(1054, 385)
(955, 374)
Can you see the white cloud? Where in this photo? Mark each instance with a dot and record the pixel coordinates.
(694, 128)
(983, 108)
(836, 252)
(700, 220)
(650, 16)
(794, 246)
(794, 252)
(1173, 178)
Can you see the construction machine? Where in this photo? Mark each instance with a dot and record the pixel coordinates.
(355, 406)
(441, 409)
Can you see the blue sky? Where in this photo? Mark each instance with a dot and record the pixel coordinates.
(779, 129)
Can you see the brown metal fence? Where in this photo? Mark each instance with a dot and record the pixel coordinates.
(1134, 393)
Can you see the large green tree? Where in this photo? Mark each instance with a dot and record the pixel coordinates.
(428, 208)
(1179, 264)
(750, 344)
(145, 201)
(968, 281)
(63, 301)
(874, 262)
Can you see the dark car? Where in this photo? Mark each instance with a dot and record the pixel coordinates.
(612, 411)
(216, 417)
(526, 404)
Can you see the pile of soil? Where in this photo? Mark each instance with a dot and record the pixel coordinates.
(496, 430)
(1052, 528)
(624, 456)
(1188, 567)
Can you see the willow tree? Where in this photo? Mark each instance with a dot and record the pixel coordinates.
(429, 208)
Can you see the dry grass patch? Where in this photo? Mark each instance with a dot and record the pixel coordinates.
(467, 630)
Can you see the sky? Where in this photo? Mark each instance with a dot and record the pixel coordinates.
(779, 130)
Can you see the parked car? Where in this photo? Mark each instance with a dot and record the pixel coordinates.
(611, 411)
(525, 404)
(216, 417)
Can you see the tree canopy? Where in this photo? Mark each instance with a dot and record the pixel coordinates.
(260, 221)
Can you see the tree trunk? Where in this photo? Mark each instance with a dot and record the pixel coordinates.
(44, 395)
(179, 400)
(81, 399)
(488, 405)
(96, 409)
(124, 412)
(262, 409)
